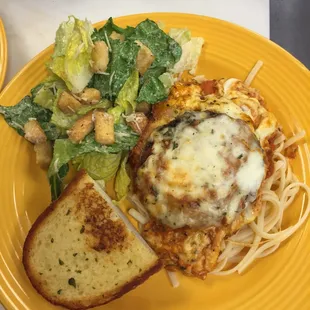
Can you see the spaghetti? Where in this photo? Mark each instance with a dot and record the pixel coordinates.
(263, 236)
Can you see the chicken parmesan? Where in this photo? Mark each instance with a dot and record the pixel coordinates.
(199, 167)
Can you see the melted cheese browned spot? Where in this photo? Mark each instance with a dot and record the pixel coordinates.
(203, 170)
(103, 228)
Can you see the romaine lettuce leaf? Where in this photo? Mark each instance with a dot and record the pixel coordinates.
(44, 97)
(166, 50)
(45, 93)
(65, 150)
(62, 120)
(72, 53)
(190, 55)
(152, 91)
(167, 53)
(117, 113)
(17, 116)
(168, 80)
(122, 180)
(105, 31)
(99, 166)
(120, 67)
(56, 181)
(128, 94)
(102, 104)
(181, 35)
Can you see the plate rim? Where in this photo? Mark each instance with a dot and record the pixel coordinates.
(3, 53)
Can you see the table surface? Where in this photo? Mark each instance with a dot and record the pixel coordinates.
(31, 24)
(290, 26)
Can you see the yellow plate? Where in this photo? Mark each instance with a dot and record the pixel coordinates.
(280, 281)
(3, 53)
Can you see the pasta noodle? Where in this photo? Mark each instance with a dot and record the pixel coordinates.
(263, 236)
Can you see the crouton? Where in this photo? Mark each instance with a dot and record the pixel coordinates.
(137, 121)
(144, 58)
(34, 133)
(68, 104)
(100, 56)
(44, 154)
(104, 127)
(81, 128)
(90, 96)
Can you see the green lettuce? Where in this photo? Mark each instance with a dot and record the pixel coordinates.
(56, 181)
(167, 53)
(99, 166)
(191, 51)
(65, 150)
(104, 32)
(181, 35)
(72, 53)
(62, 120)
(168, 80)
(122, 180)
(18, 115)
(122, 63)
(102, 104)
(44, 97)
(46, 92)
(128, 94)
(152, 91)
(116, 112)
(165, 49)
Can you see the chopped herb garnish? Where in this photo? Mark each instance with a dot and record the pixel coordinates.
(52, 240)
(75, 254)
(154, 190)
(82, 229)
(175, 145)
(71, 282)
(240, 156)
(93, 288)
(60, 262)
(59, 292)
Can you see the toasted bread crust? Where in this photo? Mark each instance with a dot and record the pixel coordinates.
(83, 303)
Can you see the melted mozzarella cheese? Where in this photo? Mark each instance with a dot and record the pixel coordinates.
(201, 170)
